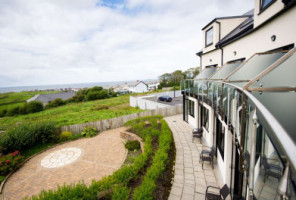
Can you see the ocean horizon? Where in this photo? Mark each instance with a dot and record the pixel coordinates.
(59, 86)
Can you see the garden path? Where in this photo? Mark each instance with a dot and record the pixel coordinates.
(85, 159)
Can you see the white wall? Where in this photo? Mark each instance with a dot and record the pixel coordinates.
(259, 41)
(227, 25)
(274, 8)
(212, 58)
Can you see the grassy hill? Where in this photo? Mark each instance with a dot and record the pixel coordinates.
(74, 113)
(12, 99)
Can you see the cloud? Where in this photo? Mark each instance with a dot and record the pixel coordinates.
(67, 41)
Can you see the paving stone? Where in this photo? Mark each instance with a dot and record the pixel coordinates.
(199, 196)
(188, 189)
(200, 189)
(187, 197)
(174, 197)
(177, 191)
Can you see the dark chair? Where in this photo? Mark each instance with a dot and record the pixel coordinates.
(197, 133)
(208, 157)
(205, 150)
(272, 170)
(218, 194)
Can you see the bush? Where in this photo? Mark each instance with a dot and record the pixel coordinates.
(12, 111)
(23, 109)
(103, 94)
(95, 88)
(55, 103)
(34, 106)
(92, 95)
(132, 145)
(3, 112)
(89, 132)
(27, 135)
(10, 162)
(66, 135)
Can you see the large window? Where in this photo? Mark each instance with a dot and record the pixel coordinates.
(220, 130)
(191, 108)
(204, 117)
(209, 37)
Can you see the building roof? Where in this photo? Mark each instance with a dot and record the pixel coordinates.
(52, 96)
(244, 28)
(247, 14)
(134, 84)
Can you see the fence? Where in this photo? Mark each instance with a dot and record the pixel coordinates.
(117, 122)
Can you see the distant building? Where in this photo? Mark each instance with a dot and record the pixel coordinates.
(138, 87)
(152, 85)
(47, 98)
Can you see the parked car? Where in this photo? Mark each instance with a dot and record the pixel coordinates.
(165, 98)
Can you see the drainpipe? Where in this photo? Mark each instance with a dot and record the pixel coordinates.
(252, 156)
(284, 184)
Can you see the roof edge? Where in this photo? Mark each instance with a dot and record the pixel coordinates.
(228, 17)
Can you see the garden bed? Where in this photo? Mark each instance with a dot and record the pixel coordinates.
(147, 177)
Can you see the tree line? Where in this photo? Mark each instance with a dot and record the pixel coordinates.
(174, 78)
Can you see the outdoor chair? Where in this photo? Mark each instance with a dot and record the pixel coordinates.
(208, 157)
(197, 133)
(217, 193)
(272, 170)
(205, 151)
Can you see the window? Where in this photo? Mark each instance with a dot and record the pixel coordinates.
(220, 129)
(191, 108)
(209, 37)
(266, 3)
(205, 118)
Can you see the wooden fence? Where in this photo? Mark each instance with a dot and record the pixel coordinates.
(117, 122)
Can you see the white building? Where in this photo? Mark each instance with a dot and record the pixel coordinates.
(138, 87)
(244, 99)
(152, 85)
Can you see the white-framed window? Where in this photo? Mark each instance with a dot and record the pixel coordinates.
(209, 37)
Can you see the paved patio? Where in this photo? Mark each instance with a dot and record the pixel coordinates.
(190, 180)
(84, 159)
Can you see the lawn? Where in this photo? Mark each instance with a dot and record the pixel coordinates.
(13, 99)
(75, 113)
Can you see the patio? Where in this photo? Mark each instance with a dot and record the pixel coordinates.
(190, 180)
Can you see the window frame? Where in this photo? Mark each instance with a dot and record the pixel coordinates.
(191, 108)
(265, 7)
(221, 138)
(206, 38)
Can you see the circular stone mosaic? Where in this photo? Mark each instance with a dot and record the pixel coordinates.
(61, 157)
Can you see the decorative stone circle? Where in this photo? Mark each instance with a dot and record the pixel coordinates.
(61, 157)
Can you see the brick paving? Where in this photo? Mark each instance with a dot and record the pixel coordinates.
(101, 156)
(190, 180)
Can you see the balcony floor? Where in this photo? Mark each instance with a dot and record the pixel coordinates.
(190, 180)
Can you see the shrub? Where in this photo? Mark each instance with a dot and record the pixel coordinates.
(89, 132)
(92, 95)
(23, 109)
(103, 94)
(27, 135)
(66, 135)
(55, 103)
(10, 162)
(34, 106)
(2, 178)
(12, 111)
(3, 112)
(132, 145)
(96, 88)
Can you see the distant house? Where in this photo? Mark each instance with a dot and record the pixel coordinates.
(152, 85)
(138, 87)
(47, 98)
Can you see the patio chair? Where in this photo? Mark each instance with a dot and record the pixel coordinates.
(218, 194)
(208, 157)
(272, 170)
(205, 151)
(197, 133)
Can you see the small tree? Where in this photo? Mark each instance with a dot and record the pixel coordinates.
(34, 106)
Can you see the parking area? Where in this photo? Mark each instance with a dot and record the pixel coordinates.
(175, 101)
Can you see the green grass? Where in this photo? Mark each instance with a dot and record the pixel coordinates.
(12, 99)
(76, 113)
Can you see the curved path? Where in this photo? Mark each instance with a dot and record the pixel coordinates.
(84, 159)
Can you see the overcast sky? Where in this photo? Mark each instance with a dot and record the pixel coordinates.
(77, 41)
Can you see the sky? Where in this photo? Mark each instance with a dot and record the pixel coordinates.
(78, 41)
